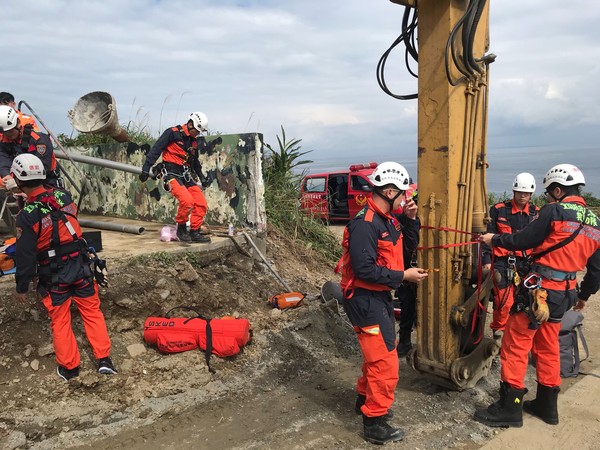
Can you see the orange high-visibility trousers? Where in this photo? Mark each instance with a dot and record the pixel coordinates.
(372, 315)
(518, 340)
(379, 374)
(63, 339)
(503, 301)
(192, 203)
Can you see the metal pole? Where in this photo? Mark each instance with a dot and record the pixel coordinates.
(77, 157)
(112, 226)
(285, 285)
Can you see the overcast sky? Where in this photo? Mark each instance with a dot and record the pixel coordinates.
(307, 65)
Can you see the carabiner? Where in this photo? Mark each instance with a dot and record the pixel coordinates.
(532, 281)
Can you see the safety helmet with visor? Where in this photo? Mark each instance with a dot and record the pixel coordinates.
(524, 182)
(8, 118)
(565, 175)
(199, 120)
(26, 167)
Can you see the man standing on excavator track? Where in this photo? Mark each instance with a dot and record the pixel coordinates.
(564, 239)
(179, 149)
(375, 245)
(508, 217)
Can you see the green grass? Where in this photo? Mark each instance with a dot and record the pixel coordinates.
(137, 134)
(282, 192)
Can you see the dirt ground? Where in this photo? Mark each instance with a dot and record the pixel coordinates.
(292, 387)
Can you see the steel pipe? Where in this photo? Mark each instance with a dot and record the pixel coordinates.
(78, 157)
(112, 226)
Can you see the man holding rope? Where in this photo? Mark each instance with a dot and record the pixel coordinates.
(564, 240)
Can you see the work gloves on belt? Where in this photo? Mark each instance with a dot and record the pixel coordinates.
(540, 308)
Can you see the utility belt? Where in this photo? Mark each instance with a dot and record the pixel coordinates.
(552, 274)
(67, 251)
(514, 267)
(165, 169)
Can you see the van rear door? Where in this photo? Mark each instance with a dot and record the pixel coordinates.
(313, 196)
(338, 196)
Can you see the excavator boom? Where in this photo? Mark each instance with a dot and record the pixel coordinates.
(453, 81)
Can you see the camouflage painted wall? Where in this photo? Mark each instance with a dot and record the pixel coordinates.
(233, 170)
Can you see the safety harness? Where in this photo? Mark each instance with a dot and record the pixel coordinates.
(56, 256)
(533, 273)
(163, 170)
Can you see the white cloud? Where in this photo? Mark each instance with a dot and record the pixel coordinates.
(254, 65)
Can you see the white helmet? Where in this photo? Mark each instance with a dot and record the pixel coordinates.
(565, 175)
(524, 182)
(390, 173)
(28, 167)
(8, 118)
(199, 120)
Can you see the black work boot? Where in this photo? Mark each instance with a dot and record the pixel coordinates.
(506, 412)
(182, 233)
(195, 236)
(404, 344)
(377, 431)
(360, 400)
(544, 406)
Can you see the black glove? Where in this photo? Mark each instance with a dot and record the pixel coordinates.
(100, 272)
(216, 141)
(144, 176)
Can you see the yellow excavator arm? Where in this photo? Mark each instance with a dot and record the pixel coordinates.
(453, 82)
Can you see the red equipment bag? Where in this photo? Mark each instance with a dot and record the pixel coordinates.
(223, 337)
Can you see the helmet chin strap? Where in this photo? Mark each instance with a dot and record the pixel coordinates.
(556, 199)
(389, 200)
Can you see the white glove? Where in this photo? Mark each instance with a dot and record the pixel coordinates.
(10, 184)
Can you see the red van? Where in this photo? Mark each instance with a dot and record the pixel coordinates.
(337, 195)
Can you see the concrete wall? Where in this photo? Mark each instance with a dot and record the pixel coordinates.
(233, 169)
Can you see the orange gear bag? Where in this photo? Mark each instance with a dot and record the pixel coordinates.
(286, 300)
(224, 337)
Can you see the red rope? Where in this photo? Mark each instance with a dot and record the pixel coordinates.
(452, 230)
(476, 240)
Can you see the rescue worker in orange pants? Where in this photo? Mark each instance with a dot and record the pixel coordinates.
(372, 265)
(178, 147)
(19, 138)
(50, 246)
(505, 218)
(564, 239)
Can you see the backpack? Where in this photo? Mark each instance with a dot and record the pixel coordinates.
(571, 327)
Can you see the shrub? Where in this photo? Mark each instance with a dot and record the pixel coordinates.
(282, 187)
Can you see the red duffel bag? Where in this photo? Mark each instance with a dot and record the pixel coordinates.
(223, 337)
